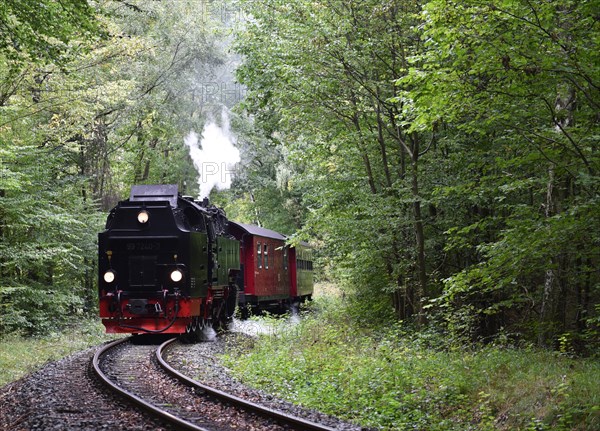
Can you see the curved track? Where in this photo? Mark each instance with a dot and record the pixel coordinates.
(131, 378)
(284, 418)
(114, 382)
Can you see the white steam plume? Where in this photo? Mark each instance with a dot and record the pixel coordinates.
(216, 156)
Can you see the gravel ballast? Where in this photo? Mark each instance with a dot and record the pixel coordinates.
(64, 396)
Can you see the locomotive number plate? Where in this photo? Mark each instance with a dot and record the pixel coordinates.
(143, 246)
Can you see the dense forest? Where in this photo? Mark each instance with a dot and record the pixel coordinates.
(447, 153)
(443, 157)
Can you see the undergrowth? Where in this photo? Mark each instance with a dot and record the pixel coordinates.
(393, 378)
(20, 355)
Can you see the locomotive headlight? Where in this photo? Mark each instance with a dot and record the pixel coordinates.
(177, 276)
(143, 216)
(109, 276)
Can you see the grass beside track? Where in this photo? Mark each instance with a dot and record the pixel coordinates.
(392, 379)
(22, 355)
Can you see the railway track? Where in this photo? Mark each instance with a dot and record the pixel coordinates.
(140, 374)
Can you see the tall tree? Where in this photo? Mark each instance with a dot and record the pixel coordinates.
(324, 74)
(520, 82)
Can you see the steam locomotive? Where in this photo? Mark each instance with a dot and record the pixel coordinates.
(170, 264)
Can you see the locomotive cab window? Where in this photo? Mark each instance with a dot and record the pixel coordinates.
(259, 256)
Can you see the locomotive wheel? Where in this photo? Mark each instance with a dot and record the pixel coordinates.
(223, 317)
(231, 304)
(193, 331)
(190, 334)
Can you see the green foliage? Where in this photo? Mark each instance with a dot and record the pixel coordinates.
(35, 309)
(508, 75)
(467, 189)
(45, 30)
(47, 243)
(395, 378)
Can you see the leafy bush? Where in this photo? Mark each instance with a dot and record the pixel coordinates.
(36, 310)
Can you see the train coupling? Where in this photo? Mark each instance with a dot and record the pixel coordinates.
(141, 306)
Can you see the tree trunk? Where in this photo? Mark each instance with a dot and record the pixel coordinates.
(549, 276)
(382, 147)
(418, 226)
(361, 148)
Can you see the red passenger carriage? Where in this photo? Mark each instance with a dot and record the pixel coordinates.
(273, 274)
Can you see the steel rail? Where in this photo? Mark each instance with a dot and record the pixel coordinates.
(296, 422)
(154, 410)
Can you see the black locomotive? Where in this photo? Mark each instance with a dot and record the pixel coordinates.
(166, 265)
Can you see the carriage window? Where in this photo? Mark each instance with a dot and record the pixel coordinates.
(259, 256)
(266, 254)
(285, 259)
(305, 265)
